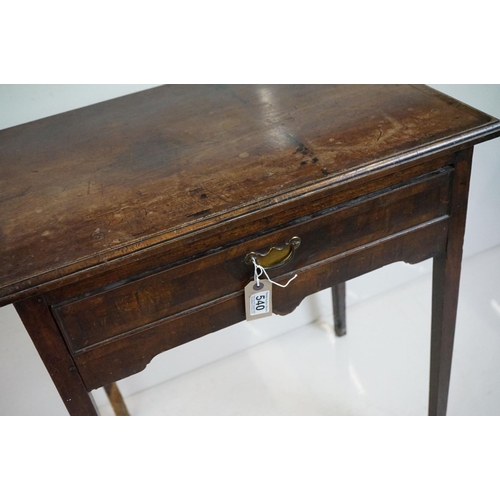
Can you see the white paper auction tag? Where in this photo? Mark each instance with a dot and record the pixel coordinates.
(258, 301)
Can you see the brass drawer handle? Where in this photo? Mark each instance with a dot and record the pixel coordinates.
(276, 256)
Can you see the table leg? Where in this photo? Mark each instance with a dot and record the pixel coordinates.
(446, 275)
(339, 315)
(116, 399)
(445, 288)
(43, 330)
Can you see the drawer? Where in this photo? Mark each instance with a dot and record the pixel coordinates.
(108, 315)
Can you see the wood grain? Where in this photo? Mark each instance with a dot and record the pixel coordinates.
(131, 353)
(51, 347)
(445, 288)
(168, 293)
(88, 186)
(125, 224)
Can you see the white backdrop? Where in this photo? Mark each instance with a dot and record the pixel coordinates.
(25, 388)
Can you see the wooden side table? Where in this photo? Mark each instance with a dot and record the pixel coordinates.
(126, 225)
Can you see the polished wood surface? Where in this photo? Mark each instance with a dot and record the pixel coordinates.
(170, 292)
(44, 333)
(159, 165)
(445, 287)
(126, 224)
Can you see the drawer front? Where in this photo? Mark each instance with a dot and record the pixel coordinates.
(112, 314)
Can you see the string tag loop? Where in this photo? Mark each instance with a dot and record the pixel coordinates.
(259, 271)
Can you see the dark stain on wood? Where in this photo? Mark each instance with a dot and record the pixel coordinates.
(201, 213)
